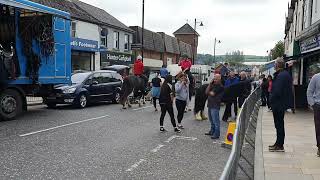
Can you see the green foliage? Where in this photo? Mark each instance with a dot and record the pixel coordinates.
(235, 57)
(278, 50)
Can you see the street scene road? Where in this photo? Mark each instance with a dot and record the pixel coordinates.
(238, 83)
(106, 142)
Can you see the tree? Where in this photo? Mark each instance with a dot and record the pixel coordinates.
(278, 50)
(235, 57)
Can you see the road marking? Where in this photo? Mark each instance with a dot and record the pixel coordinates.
(49, 129)
(142, 108)
(135, 165)
(157, 148)
(180, 137)
(186, 138)
(170, 138)
(217, 142)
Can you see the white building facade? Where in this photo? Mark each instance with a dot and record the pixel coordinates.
(302, 44)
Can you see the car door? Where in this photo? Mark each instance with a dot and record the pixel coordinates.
(96, 88)
(107, 86)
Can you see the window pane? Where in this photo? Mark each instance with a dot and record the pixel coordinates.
(104, 32)
(106, 77)
(98, 77)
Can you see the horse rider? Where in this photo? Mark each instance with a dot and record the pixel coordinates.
(138, 70)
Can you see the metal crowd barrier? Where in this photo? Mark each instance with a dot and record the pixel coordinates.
(246, 122)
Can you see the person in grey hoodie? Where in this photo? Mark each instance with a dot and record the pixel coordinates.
(313, 95)
(182, 95)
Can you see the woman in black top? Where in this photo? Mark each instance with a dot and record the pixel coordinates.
(155, 92)
(165, 101)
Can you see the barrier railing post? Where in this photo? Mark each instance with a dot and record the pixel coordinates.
(246, 122)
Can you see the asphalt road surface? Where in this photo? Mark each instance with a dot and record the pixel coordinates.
(106, 142)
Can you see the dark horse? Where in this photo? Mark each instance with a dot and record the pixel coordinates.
(231, 92)
(137, 86)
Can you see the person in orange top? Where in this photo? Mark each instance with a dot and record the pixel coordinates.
(138, 67)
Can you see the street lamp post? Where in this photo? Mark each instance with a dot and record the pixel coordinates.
(142, 34)
(214, 48)
(194, 39)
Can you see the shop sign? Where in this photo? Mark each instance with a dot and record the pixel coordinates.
(116, 58)
(84, 45)
(310, 43)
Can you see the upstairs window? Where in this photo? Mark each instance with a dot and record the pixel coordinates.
(103, 37)
(73, 29)
(116, 40)
(126, 42)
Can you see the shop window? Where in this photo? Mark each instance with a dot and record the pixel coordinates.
(116, 40)
(126, 42)
(73, 29)
(313, 68)
(103, 37)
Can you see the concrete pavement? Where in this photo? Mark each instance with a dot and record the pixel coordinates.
(299, 161)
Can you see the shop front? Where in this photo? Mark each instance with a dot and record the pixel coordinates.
(302, 70)
(83, 54)
(109, 58)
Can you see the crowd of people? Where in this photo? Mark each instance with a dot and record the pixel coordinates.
(277, 95)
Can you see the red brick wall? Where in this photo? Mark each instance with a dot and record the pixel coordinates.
(175, 57)
(189, 39)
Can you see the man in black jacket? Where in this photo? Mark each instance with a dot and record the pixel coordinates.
(281, 100)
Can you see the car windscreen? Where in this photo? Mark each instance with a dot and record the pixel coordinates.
(79, 77)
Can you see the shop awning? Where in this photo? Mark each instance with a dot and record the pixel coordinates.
(24, 4)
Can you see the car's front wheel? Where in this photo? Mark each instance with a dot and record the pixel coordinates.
(82, 101)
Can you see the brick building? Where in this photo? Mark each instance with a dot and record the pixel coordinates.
(188, 35)
(159, 48)
(153, 52)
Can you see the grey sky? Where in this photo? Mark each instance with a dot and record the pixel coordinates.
(253, 26)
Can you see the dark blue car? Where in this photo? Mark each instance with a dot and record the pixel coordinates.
(87, 87)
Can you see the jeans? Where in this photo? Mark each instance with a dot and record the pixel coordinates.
(227, 113)
(278, 116)
(215, 121)
(316, 109)
(181, 106)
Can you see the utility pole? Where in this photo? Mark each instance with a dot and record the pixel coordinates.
(142, 43)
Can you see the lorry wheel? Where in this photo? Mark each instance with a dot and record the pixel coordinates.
(11, 104)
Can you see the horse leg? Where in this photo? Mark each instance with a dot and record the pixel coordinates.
(129, 104)
(139, 102)
(203, 116)
(144, 100)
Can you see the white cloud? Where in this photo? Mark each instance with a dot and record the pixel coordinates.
(253, 26)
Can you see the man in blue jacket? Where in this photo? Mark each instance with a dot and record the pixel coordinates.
(230, 81)
(281, 100)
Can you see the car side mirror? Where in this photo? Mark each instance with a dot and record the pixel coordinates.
(95, 82)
